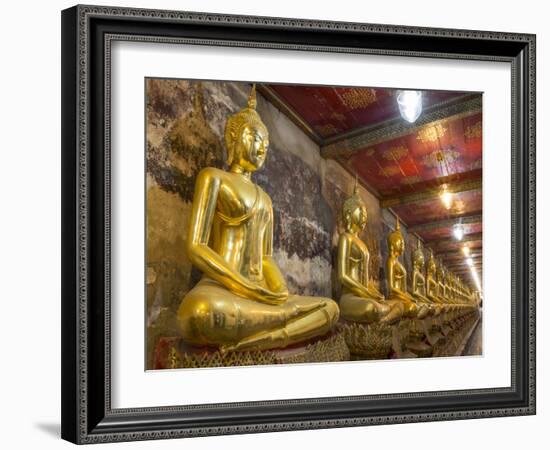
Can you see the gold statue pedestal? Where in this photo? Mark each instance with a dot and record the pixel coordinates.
(432, 331)
(175, 353)
(367, 341)
(416, 343)
(400, 336)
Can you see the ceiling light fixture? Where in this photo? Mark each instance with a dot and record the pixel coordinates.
(466, 250)
(410, 105)
(458, 231)
(446, 197)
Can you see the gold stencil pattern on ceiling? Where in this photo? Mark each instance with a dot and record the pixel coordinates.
(435, 159)
(411, 179)
(389, 171)
(477, 164)
(473, 131)
(358, 98)
(338, 116)
(327, 129)
(459, 206)
(395, 153)
(431, 133)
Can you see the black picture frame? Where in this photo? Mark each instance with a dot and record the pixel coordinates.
(87, 33)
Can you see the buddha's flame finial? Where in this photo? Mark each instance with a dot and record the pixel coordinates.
(397, 223)
(355, 186)
(252, 97)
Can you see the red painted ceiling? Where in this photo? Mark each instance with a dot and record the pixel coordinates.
(415, 161)
(418, 162)
(330, 111)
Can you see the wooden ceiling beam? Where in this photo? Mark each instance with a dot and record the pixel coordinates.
(429, 226)
(431, 193)
(461, 263)
(456, 262)
(466, 238)
(349, 143)
(458, 254)
(436, 245)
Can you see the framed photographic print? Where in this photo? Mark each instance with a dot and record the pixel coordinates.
(260, 214)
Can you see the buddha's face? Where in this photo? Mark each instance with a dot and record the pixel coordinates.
(400, 246)
(357, 220)
(397, 245)
(251, 147)
(418, 261)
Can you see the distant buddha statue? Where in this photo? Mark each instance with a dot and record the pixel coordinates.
(242, 301)
(431, 283)
(441, 291)
(397, 276)
(419, 293)
(449, 286)
(419, 287)
(360, 300)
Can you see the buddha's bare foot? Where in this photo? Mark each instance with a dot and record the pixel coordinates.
(300, 310)
(424, 311)
(394, 315)
(262, 341)
(224, 349)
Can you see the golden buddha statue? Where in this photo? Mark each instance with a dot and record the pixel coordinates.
(242, 301)
(397, 276)
(449, 287)
(419, 292)
(360, 300)
(441, 291)
(431, 283)
(418, 278)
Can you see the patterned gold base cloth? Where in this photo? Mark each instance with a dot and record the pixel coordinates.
(367, 341)
(173, 353)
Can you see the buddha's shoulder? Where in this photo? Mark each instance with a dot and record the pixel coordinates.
(212, 172)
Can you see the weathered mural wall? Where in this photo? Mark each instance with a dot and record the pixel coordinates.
(185, 124)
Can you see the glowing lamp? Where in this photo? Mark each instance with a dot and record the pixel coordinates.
(458, 231)
(410, 105)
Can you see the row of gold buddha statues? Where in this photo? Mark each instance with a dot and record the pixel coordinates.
(242, 304)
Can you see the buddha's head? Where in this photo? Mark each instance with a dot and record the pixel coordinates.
(418, 257)
(354, 212)
(246, 137)
(396, 242)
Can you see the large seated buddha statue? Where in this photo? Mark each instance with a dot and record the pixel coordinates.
(360, 300)
(242, 301)
(397, 277)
